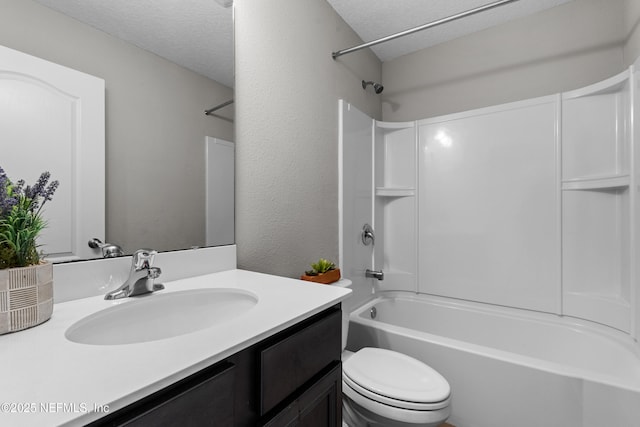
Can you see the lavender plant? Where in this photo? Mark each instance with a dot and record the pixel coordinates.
(21, 219)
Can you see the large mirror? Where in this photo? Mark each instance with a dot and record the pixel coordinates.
(156, 128)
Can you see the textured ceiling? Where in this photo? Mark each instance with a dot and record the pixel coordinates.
(198, 34)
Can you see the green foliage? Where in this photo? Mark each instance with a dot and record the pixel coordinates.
(322, 266)
(21, 219)
(18, 232)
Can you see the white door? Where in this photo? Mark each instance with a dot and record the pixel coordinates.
(52, 119)
(220, 213)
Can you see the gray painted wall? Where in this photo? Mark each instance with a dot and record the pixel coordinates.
(287, 91)
(155, 126)
(563, 48)
(631, 27)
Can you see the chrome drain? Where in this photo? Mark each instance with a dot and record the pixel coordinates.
(373, 312)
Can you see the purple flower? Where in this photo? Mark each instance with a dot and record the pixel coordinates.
(7, 201)
(21, 219)
(35, 196)
(48, 194)
(4, 181)
(17, 187)
(6, 205)
(39, 188)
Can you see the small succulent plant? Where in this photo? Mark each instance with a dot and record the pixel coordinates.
(320, 267)
(21, 219)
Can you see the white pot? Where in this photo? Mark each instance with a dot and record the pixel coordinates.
(26, 297)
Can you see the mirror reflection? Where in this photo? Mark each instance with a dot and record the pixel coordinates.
(156, 132)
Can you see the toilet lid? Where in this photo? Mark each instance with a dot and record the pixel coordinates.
(396, 376)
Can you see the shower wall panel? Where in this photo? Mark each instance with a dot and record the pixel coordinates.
(597, 204)
(395, 206)
(489, 209)
(356, 197)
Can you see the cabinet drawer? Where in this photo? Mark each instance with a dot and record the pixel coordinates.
(203, 399)
(209, 403)
(289, 363)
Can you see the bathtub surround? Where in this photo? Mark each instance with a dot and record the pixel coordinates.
(536, 199)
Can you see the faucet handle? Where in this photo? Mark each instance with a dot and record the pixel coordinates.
(143, 258)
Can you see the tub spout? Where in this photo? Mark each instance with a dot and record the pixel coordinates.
(376, 274)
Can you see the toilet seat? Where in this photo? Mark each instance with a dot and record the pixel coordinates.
(395, 379)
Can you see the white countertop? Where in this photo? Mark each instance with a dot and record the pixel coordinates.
(48, 380)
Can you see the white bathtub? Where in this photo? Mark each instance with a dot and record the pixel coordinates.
(509, 367)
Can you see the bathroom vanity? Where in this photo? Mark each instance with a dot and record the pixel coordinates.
(293, 377)
(270, 364)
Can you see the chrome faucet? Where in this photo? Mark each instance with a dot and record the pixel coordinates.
(141, 276)
(109, 250)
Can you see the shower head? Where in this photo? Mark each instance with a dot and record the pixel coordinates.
(376, 86)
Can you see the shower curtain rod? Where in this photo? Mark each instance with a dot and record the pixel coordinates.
(421, 27)
(217, 107)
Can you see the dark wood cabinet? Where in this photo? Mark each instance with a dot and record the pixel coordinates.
(317, 406)
(203, 399)
(292, 361)
(293, 378)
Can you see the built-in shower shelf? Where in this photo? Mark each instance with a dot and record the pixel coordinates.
(395, 191)
(601, 297)
(611, 85)
(597, 183)
(394, 125)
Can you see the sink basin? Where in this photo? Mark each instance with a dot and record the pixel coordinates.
(161, 315)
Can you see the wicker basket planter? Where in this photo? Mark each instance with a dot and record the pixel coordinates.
(26, 297)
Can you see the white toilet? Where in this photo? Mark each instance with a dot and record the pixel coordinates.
(389, 389)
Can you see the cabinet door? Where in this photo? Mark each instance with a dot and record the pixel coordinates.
(288, 417)
(293, 361)
(319, 406)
